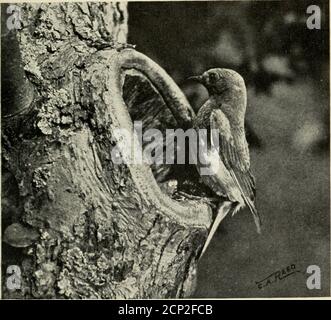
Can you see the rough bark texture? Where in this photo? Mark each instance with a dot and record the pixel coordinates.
(78, 225)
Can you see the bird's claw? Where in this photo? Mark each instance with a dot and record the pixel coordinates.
(185, 196)
(180, 195)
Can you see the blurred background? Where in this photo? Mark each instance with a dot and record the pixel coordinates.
(286, 68)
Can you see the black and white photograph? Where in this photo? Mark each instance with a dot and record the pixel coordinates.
(165, 150)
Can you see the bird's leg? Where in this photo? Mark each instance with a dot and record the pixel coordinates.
(209, 200)
(187, 196)
(224, 208)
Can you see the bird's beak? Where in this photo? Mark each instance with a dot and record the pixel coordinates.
(197, 79)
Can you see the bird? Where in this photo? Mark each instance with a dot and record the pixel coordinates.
(224, 165)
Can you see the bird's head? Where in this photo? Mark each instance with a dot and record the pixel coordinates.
(218, 81)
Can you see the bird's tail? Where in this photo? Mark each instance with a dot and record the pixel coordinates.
(254, 212)
(222, 212)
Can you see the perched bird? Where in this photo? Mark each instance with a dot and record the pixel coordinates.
(226, 155)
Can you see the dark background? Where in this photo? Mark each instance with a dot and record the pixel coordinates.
(286, 68)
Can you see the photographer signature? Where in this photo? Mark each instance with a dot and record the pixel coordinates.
(277, 276)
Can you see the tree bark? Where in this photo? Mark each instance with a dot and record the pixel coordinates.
(77, 224)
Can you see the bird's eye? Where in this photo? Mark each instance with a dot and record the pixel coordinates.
(213, 77)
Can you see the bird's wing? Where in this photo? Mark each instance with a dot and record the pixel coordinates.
(234, 153)
(232, 142)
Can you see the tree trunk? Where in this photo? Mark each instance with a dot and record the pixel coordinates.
(75, 223)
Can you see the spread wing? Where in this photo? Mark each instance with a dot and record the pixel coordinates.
(234, 153)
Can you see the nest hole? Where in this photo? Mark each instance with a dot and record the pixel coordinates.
(145, 104)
